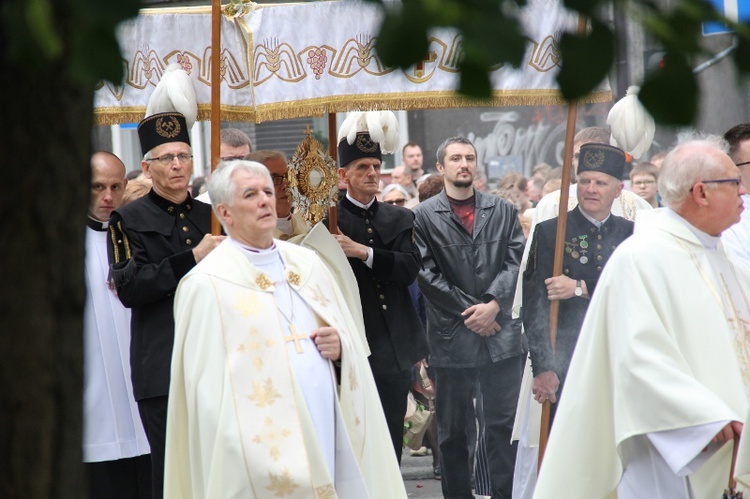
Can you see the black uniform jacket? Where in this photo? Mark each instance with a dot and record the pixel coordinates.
(587, 250)
(150, 250)
(461, 270)
(394, 332)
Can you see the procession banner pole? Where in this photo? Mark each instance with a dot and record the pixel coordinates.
(562, 221)
(333, 221)
(215, 97)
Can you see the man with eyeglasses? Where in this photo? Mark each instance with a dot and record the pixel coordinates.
(234, 144)
(736, 239)
(153, 242)
(290, 226)
(660, 378)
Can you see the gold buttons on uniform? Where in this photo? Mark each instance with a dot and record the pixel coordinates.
(170, 209)
(185, 229)
(182, 216)
(382, 297)
(385, 307)
(188, 241)
(369, 230)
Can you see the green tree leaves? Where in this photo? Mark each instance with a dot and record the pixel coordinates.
(492, 35)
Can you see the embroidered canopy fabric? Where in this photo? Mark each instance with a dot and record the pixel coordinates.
(294, 60)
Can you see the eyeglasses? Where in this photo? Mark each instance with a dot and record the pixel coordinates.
(742, 164)
(166, 159)
(399, 202)
(231, 158)
(736, 181)
(278, 180)
(644, 183)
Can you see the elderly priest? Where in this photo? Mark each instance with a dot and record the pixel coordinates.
(271, 394)
(660, 374)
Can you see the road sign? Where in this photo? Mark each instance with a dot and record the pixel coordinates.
(735, 10)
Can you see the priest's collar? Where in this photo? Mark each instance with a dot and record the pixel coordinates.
(594, 221)
(250, 250)
(358, 204)
(169, 206)
(95, 224)
(707, 240)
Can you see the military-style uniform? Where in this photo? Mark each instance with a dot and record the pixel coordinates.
(150, 250)
(394, 332)
(587, 250)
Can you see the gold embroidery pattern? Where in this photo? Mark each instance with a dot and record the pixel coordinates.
(357, 55)
(739, 326)
(264, 394)
(246, 305)
(168, 129)
(255, 347)
(545, 55)
(319, 297)
(281, 485)
(312, 179)
(274, 58)
(593, 159)
(325, 492)
(271, 438)
(263, 282)
(294, 278)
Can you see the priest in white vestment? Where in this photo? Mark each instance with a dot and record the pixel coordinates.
(271, 394)
(662, 367)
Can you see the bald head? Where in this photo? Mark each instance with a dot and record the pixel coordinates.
(107, 185)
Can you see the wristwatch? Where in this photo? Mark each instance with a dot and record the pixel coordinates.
(579, 290)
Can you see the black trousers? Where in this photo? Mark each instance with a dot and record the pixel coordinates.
(153, 411)
(499, 384)
(393, 391)
(128, 478)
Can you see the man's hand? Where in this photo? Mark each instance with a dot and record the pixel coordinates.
(562, 287)
(328, 342)
(545, 387)
(728, 432)
(208, 243)
(480, 318)
(351, 248)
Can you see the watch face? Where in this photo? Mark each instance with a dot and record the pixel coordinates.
(579, 291)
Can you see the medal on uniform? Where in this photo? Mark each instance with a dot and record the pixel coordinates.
(584, 243)
(584, 259)
(574, 254)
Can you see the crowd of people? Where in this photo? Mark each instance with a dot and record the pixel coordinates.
(275, 360)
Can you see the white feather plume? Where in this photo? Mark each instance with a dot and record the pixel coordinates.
(174, 92)
(381, 125)
(632, 126)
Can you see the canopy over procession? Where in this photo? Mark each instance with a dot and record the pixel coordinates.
(570, 332)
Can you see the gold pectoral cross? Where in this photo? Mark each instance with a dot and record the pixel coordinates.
(295, 338)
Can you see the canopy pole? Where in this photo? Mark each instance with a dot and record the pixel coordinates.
(215, 97)
(333, 221)
(562, 221)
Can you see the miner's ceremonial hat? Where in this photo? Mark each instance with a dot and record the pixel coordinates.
(601, 158)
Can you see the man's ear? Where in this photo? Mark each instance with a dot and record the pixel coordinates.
(146, 168)
(699, 194)
(224, 214)
(342, 175)
(439, 167)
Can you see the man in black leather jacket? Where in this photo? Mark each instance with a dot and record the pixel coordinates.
(471, 245)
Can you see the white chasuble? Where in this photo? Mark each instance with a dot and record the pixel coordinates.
(252, 416)
(656, 355)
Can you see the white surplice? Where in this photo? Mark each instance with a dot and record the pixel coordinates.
(112, 427)
(657, 354)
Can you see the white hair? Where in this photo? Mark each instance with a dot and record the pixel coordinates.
(395, 187)
(696, 157)
(221, 187)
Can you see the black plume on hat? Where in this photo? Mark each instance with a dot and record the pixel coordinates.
(601, 158)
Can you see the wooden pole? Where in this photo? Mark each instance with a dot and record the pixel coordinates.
(562, 221)
(333, 220)
(215, 96)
